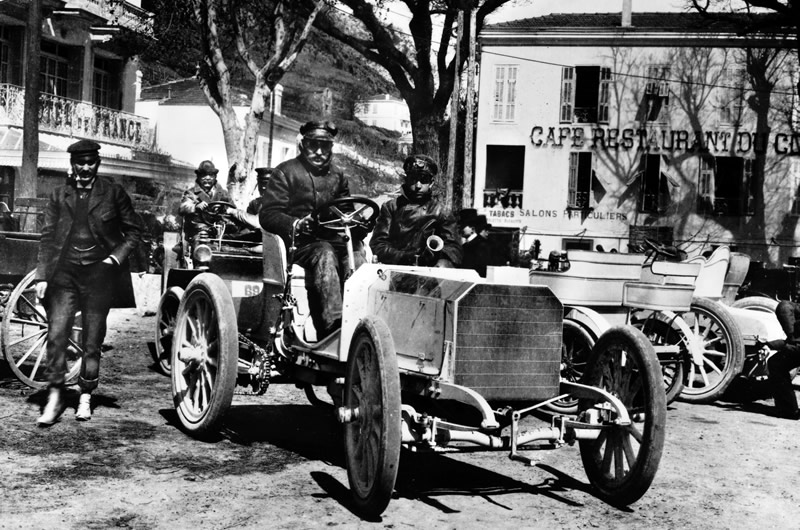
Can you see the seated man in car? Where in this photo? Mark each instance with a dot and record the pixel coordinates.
(196, 200)
(296, 188)
(405, 223)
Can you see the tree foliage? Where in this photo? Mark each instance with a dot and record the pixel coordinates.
(422, 69)
(256, 39)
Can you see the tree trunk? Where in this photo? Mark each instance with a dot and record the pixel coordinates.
(27, 183)
(426, 130)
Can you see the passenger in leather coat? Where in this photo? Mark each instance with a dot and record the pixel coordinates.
(405, 222)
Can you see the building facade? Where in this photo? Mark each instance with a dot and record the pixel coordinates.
(386, 111)
(603, 129)
(88, 90)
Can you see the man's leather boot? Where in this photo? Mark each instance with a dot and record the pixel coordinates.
(53, 408)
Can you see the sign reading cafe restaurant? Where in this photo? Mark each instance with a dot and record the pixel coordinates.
(657, 140)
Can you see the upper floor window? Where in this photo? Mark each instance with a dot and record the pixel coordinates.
(60, 70)
(653, 189)
(105, 85)
(655, 102)
(505, 93)
(579, 185)
(724, 185)
(730, 100)
(10, 55)
(585, 94)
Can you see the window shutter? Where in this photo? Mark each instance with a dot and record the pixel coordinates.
(572, 186)
(499, 85)
(604, 96)
(567, 94)
(511, 93)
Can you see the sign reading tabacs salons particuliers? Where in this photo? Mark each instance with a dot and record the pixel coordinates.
(665, 140)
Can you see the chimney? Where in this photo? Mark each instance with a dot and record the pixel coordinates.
(626, 13)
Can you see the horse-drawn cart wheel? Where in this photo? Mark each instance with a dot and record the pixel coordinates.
(623, 460)
(204, 355)
(165, 328)
(24, 337)
(717, 351)
(372, 434)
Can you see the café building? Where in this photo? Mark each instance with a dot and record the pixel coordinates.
(603, 129)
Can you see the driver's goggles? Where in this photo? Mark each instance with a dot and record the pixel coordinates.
(317, 145)
(422, 178)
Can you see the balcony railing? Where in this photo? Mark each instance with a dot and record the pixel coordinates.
(121, 14)
(77, 118)
(502, 197)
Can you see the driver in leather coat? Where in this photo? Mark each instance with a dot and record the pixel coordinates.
(296, 188)
(197, 198)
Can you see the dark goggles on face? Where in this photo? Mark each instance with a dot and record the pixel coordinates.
(422, 178)
(317, 145)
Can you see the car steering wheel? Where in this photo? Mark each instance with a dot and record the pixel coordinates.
(661, 250)
(346, 213)
(215, 212)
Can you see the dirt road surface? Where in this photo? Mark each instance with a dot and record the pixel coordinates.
(279, 464)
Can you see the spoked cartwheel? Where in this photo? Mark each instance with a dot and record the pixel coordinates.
(662, 334)
(204, 355)
(24, 337)
(371, 413)
(165, 328)
(716, 349)
(576, 348)
(622, 462)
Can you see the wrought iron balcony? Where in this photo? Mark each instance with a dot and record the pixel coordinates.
(122, 14)
(75, 118)
(502, 197)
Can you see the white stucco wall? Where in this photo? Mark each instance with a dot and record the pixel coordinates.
(546, 165)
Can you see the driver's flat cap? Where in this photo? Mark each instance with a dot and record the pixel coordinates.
(82, 147)
(319, 130)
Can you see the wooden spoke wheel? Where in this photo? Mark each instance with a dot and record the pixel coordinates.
(166, 316)
(24, 337)
(622, 462)
(204, 355)
(716, 348)
(576, 348)
(372, 437)
(660, 333)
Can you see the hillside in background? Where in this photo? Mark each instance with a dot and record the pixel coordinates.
(323, 64)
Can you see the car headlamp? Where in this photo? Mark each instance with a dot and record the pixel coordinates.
(202, 254)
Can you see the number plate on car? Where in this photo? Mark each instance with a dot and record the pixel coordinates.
(245, 289)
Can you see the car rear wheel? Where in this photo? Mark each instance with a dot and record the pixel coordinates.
(576, 348)
(165, 328)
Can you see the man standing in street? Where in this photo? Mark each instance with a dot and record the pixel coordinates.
(90, 228)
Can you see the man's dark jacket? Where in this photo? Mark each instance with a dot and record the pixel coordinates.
(398, 236)
(193, 222)
(113, 223)
(296, 189)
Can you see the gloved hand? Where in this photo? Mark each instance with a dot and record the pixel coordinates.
(305, 226)
(200, 206)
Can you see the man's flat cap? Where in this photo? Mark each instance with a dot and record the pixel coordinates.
(206, 167)
(416, 164)
(319, 130)
(83, 146)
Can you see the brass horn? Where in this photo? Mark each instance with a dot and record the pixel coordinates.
(434, 243)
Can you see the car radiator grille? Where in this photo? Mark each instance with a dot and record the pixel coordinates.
(508, 342)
